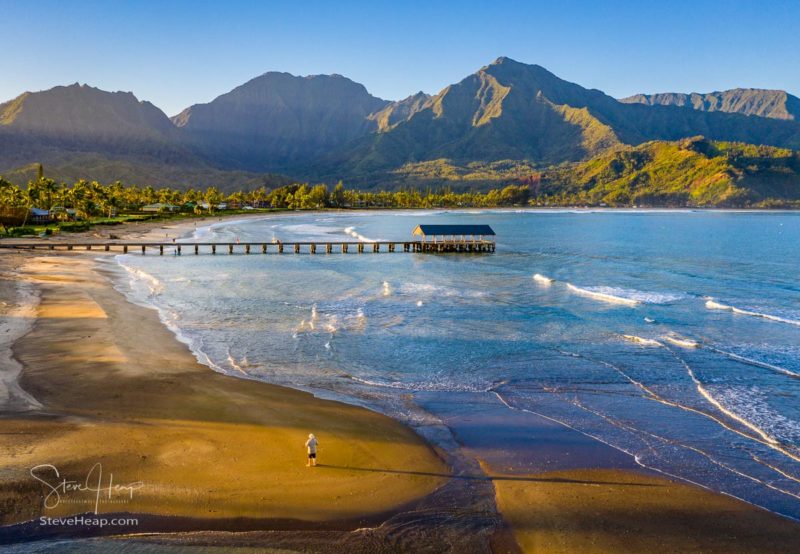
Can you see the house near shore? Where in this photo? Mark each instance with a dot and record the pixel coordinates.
(63, 214)
(40, 216)
(160, 207)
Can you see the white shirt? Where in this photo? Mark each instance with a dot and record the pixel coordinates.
(312, 445)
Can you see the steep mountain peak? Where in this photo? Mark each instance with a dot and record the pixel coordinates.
(505, 60)
(278, 119)
(395, 113)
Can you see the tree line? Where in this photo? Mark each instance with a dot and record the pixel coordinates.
(91, 199)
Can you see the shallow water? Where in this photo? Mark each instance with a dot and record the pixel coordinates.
(672, 336)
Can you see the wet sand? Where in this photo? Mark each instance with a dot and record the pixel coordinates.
(606, 510)
(118, 389)
(561, 491)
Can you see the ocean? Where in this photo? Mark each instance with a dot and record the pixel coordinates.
(672, 336)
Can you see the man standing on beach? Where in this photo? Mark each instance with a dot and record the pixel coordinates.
(311, 444)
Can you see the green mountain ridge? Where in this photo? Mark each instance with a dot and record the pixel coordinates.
(508, 122)
(690, 172)
(511, 110)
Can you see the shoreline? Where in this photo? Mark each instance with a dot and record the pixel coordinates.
(178, 411)
(514, 486)
(17, 316)
(141, 229)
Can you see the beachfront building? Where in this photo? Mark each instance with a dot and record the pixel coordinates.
(160, 207)
(455, 238)
(38, 215)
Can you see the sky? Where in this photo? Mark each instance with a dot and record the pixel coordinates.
(176, 53)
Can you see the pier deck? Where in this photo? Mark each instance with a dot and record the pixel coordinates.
(317, 247)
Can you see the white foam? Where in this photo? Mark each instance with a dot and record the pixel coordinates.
(168, 318)
(353, 233)
(386, 289)
(331, 325)
(603, 294)
(237, 366)
(629, 297)
(683, 342)
(713, 305)
(757, 363)
(16, 320)
(542, 280)
(428, 289)
(766, 438)
(137, 275)
(641, 340)
(314, 317)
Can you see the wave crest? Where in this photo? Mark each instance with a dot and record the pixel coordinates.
(714, 305)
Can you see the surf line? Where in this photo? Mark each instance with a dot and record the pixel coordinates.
(767, 439)
(711, 304)
(635, 457)
(756, 363)
(762, 437)
(610, 298)
(694, 449)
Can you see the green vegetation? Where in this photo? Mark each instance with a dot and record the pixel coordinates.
(690, 172)
(445, 172)
(77, 207)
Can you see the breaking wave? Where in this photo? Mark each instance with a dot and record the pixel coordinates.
(713, 305)
(641, 340)
(627, 297)
(356, 235)
(154, 286)
(751, 361)
(683, 342)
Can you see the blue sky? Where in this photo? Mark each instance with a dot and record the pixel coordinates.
(177, 53)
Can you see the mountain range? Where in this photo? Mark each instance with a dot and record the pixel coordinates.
(776, 104)
(328, 127)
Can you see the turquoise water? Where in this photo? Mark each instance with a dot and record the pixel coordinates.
(672, 336)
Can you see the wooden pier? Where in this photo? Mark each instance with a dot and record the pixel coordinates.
(197, 248)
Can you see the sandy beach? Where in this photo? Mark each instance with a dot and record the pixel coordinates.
(606, 510)
(95, 379)
(118, 389)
